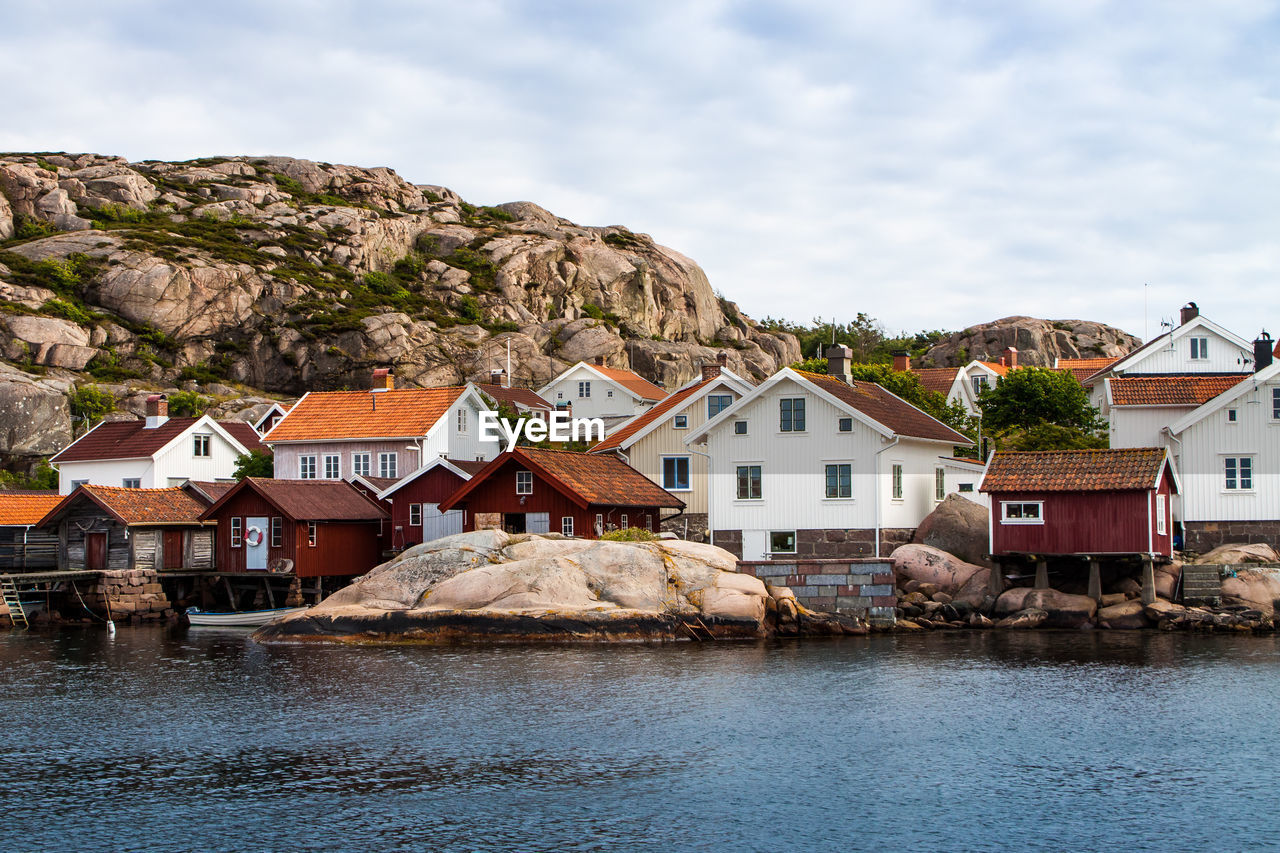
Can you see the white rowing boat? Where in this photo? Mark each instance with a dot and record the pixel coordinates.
(239, 619)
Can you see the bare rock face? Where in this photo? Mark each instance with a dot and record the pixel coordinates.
(46, 340)
(1038, 342)
(958, 526)
(1063, 609)
(1255, 588)
(941, 572)
(1125, 615)
(1238, 553)
(35, 417)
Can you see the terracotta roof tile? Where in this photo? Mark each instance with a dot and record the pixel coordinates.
(1083, 368)
(632, 381)
(211, 489)
(516, 397)
(937, 378)
(1170, 390)
(135, 506)
(309, 500)
(887, 409)
(402, 413)
(648, 416)
(1073, 470)
(18, 509)
(995, 366)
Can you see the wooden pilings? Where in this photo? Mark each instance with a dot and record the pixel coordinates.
(1042, 575)
(1148, 581)
(1095, 580)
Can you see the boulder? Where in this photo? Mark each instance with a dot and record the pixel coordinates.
(1038, 342)
(1112, 598)
(928, 565)
(1167, 575)
(6, 220)
(958, 526)
(1127, 614)
(1257, 589)
(48, 341)
(1235, 554)
(1162, 609)
(1062, 609)
(1029, 618)
(35, 418)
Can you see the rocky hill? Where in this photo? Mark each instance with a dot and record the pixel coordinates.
(1039, 342)
(236, 275)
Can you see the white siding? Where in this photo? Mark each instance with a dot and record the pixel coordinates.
(465, 445)
(958, 473)
(1140, 426)
(110, 472)
(1173, 355)
(178, 464)
(599, 405)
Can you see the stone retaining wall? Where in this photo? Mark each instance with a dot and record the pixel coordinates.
(135, 595)
(830, 544)
(1203, 536)
(857, 587)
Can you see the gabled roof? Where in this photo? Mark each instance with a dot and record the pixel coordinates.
(330, 415)
(134, 507)
(1083, 368)
(132, 440)
(244, 433)
(1246, 385)
(274, 408)
(633, 382)
(1193, 390)
(23, 509)
(515, 397)
(461, 468)
(307, 500)
(209, 490)
(1075, 470)
(585, 479)
(994, 366)
(653, 417)
(937, 379)
(1199, 322)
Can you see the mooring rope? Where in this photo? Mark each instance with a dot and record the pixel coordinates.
(85, 606)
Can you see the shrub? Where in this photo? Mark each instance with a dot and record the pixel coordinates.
(89, 403)
(469, 309)
(45, 478)
(188, 404)
(255, 463)
(66, 311)
(630, 534)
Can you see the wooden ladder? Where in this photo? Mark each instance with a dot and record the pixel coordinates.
(1202, 585)
(11, 600)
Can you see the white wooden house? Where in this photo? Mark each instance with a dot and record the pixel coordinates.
(808, 465)
(598, 391)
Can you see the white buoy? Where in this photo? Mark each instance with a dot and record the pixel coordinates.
(111, 627)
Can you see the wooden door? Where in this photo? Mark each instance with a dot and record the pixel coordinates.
(95, 551)
(173, 557)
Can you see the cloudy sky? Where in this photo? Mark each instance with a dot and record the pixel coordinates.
(934, 165)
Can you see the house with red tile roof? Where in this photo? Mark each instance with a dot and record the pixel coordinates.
(808, 466)
(109, 527)
(652, 442)
(599, 391)
(964, 384)
(24, 545)
(1083, 369)
(525, 401)
(532, 490)
(1139, 408)
(414, 501)
(383, 432)
(156, 452)
(1086, 503)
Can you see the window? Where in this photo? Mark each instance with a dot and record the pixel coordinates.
(782, 542)
(939, 483)
(845, 425)
(462, 420)
(200, 446)
(739, 427)
(1199, 348)
(599, 524)
(1275, 404)
(277, 532)
(313, 533)
(566, 525)
(306, 467)
(360, 464)
(237, 531)
(607, 394)
(965, 487)
(648, 521)
(839, 480)
(332, 467)
(980, 384)
(524, 482)
(680, 422)
(717, 403)
(1022, 513)
(1238, 472)
(584, 390)
(131, 483)
(75, 484)
(415, 515)
(388, 464)
(791, 414)
(749, 483)
(1233, 416)
(623, 522)
(675, 473)
(559, 395)
(897, 481)
(1160, 513)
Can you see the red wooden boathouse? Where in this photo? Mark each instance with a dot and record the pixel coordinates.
(414, 501)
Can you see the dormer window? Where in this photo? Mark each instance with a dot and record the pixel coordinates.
(1199, 348)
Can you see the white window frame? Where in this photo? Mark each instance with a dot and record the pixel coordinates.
(131, 483)
(1237, 476)
(980, 383)
(1021, 518)
(795, 541)
(680, 422)
(524, 482)
(277, 532)
(737, 477)
(623, 521)
(826, 474)
(584, 389)
(462, 420)
(788, 423)
(202, 445)
(336, 460)
(313, 534)
(237, 531)
(389, 465)
(1161, 510)
(939, 484)
(897, 479)
(566, 525)
(1198, 348)
(415, 515)
(1233, 416)
(361, 464)
(726, 399)
(688, 474)
(307, 467)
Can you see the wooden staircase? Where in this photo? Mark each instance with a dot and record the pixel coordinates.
(1202, 585)
(17, 615)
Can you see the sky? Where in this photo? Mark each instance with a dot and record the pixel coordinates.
(933, 165)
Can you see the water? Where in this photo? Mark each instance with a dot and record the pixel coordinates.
(202, 740)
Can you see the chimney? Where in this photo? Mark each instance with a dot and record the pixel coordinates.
(1009, 358)
(1190, 311)
(722, 358)
(383, 380)
(838, 359)
(157, 410)
(1263, 351)
(498, 377)
(902, 362)
(710, 371)
(599, 361)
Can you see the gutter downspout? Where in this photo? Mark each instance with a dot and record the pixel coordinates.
(892, 444)
(711, 532)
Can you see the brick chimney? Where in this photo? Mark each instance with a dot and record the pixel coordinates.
(383, 380)
(839, 357)
(722, 358)
(599, 361)
(710, 371)
(1009, 358)
(1263, 351)
(902, 362)
(1189, 312)
(157, 410)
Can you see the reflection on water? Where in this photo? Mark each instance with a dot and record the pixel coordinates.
(202, 740)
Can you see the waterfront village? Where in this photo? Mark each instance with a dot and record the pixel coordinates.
(839, 507)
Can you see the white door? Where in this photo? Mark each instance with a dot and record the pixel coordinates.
(436, 525)
(255, 543)
(537, 522)
(755, 544)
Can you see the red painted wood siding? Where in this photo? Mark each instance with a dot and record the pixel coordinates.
(1082, 523)
(431, 488)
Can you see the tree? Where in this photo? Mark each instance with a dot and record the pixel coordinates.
(89, 403)
(187, 404)
(255, 463)
(1034, 408)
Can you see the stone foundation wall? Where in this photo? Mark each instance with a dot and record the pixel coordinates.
(862, 588)
(135, 595)
(832, 544)
(695, 523)
(1204, 536)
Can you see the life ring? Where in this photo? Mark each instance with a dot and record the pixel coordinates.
(253, 537)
